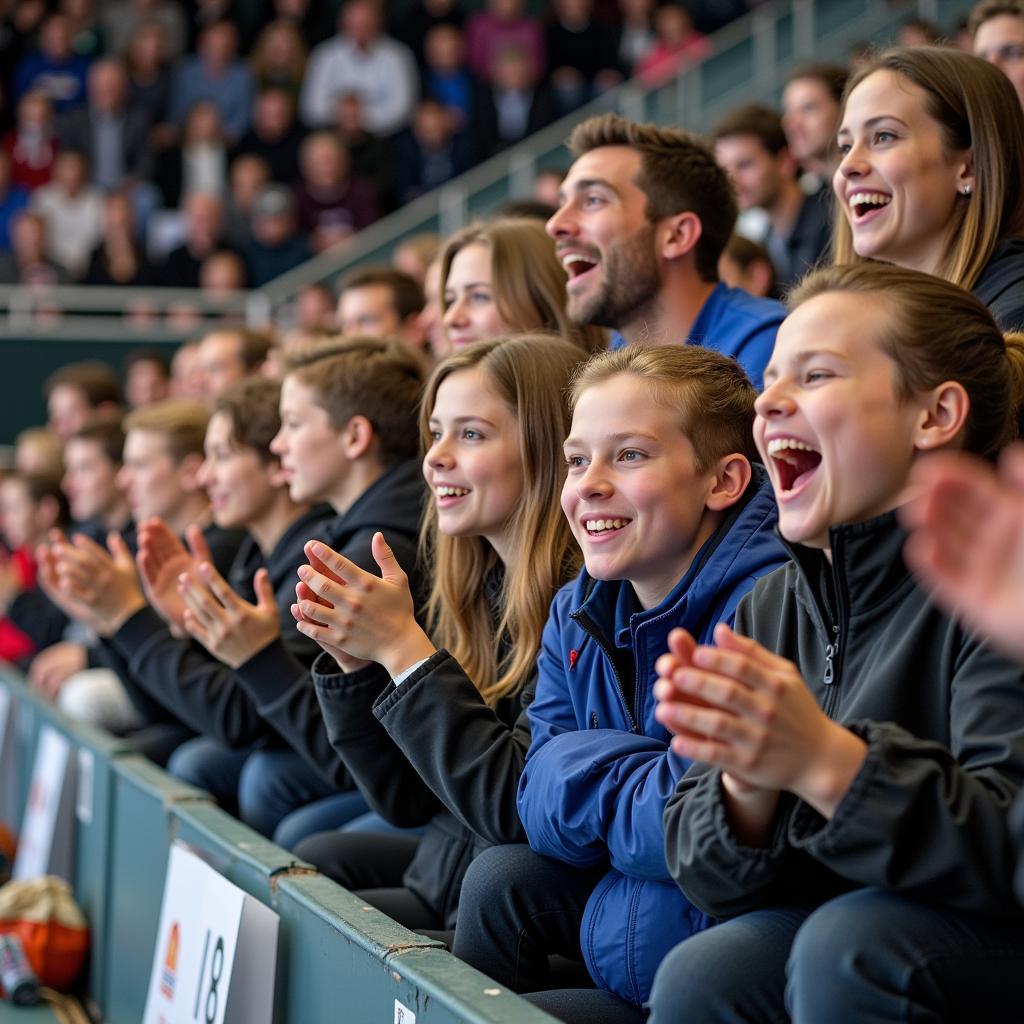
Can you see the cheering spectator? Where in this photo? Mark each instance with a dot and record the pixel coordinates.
(503, 26)
(79, 393)
(119, 259)
(276, 245)
(54, 68)
(431, 152)
(381, 302)
(361, 59)
(679, 45)
(73, 211)
(997, 28)
(581, 54)
(274, 134)
(32, 145)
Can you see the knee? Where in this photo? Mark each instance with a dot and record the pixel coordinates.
(255, 783)
(320, 850)
(674, 985)
(495, 872)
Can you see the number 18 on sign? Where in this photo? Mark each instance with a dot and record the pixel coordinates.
(216, 950)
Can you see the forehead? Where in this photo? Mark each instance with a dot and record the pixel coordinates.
(471, 260)
(886, 94)
(220, 346)
(469, 392)
(847, 323)
(218, 430)
(82, 449)
(1003, 28)
(802, 91)
(618, 166)
(622, 404)
(364, 297)
(144, 444)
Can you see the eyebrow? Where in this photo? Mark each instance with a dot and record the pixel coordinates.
(470, 284)
(584, 183)
(459, 420)
(628, 435)
(803, 358)
(872, 121)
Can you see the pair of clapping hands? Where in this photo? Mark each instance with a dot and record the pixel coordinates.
(356, 616)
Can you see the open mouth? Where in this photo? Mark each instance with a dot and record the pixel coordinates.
(576, 264)
(795, 462)
(864, 203)
(600, 528)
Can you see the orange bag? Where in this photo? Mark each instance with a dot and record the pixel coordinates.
(53, 931)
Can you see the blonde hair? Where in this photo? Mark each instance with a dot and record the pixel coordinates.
(976, 108)
(179, 421)
(527, 279)
(530, 373)
(964, 346)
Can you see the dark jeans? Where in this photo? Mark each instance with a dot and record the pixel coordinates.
(866, 957)
(517, 909)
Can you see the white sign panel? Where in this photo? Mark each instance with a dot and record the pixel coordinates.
(216, 950)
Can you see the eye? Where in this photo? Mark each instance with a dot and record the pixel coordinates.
(480, 297)
(472, 435)
(885, 136)
(592, 200)
(816, 376)
(844, 147)
(631, 455)
(575, 461)
(435, 436)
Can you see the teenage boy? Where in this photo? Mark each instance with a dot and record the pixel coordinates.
(645, 215)
(675, 526)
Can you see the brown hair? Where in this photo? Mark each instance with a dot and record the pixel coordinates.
(179, 421)
(253, 346)
(677, 173)
(710, 395)
(42, 486)
(755, 119)
(989, 9)
(406, 293)
(108, 434)
(530, 373)
(964, 345)
(976, 108)
(95, 380)
(832, 76)
(744, 252)
(381, 380)
(252, 407)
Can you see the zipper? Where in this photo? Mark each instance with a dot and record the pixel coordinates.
(831, 651)
(584, 623)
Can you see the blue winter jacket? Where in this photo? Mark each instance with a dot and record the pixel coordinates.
(598, 773)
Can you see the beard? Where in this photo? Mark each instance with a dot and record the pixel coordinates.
(630, 280)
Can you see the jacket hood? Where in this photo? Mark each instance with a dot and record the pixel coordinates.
(392, 504)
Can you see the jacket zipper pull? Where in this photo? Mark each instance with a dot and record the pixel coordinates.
(831, 650)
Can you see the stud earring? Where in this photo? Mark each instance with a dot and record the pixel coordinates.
(966, 190)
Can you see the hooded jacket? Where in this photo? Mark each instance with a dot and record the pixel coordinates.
(943, 719)
(600, 769)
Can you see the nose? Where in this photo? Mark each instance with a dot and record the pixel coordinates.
(561, 224)
(455, 314)
(277, 445)
(853, 163)
(594, 482)
(775, 401)
(439, 455)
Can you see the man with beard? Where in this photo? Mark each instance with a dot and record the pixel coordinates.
(645, 214)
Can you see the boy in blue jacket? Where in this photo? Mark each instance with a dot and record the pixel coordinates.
(675, 526)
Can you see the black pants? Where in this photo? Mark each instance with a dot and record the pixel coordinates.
(519, 909)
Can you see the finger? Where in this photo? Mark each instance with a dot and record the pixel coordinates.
(343, 571)
(265, 597)
(303, 593)
(195, 628)
(218, 586)
(321, 585)
(119, 549)
(728, 639)
(87, 547)
(385, 558)
(199, 601)
(681, 644)
(735, 665)
(197, 544)
(707, 751)
(327, 618)
(699, 688)
(666, 665)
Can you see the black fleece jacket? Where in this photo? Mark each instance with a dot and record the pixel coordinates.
(279, 685)
(943, 718)
(1001, 284)
(195, 687)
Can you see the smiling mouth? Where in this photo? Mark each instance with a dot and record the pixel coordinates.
(863, 203)
(451, 492)
(604, 527)
(794, 461)
(576, 264)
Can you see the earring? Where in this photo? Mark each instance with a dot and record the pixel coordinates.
(966, 190)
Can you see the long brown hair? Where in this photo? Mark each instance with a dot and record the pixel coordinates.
(527, 280)
(530, 373)
(976, 108)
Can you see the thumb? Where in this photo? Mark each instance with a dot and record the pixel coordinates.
(197, 544)
(265, 599)
(682, 645)
(119, 549)
(385, 558)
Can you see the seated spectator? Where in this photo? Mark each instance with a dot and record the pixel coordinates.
(113, 134)
(546, 185)
(919, 32)
(200, 165)
(748, 265)
(87, 37)
(415, 255)
(204, 235)
(274, 135)
(811, 104)
(421, 18)
(373, 157)
(217, 75)
(333, 203)
(39, 451)
(314, 309)
(54, 69)
(249, 176)
(73, 211)
(79, 393)
(278, 58)
(277, 245)
(122, 19)
(147, 378)
(750, 146)
(997, 30)
(187, 377)
(28, 263)
(430, 153)
(679, 46)
(637, 37)
(361, 59)
(381, 302)
(315, 21)
(225, 357)
(149, 75)
(119, 259)
(92, 459)
(503, 277)
(32, 144)
(446, 75)
(223, 273)
(516, 104)
(582, 62)
(499, 27)
(13, 199)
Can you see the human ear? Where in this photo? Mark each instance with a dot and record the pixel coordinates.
(682, 232)
(357, 436)
(732, 475)
(943, 418)
(965, 179)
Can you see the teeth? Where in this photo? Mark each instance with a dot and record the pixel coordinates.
(868, 199)
(574, 257)
(598, 525)
(451, 492)
(779, 444)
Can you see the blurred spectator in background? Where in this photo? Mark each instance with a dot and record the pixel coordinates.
(32, 144)
(581, 53)
(53, 69)
(150, 79)
(225, 357)
(250, 175)
(147, 377)
(87, 38)
(13, 198)
(215, 74)
(679, 45)
(547, 183)
(430, 152)
(187, 378)
(119, 258)
(750, 146)
(446, 75)
(381, 302)
(810, 119)
(637, 37)
(372, 157)
(515, 105)
(277, 245)
(39, 450)
(222, 273)
(421, 18)
(78, 393)
(274, 135)
(919, 32)
(314, 308)
(997, 30)
(73, 211)
(201, 162)
(415, 255)
(28, 262)
(204, 229)
(333, 202)
(429, 320)
(123, 18)
(278, 58)
(748, 265)
(499, 27)
(361, 59)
